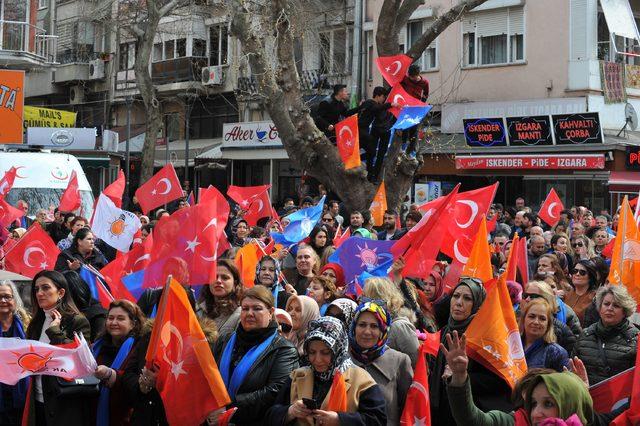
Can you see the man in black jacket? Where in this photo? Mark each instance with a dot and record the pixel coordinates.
(372, 126)
(332, 111)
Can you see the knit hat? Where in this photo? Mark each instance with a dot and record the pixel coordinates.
(337, 269)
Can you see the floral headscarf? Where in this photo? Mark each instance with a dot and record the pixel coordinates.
(383, 318)
(330, 331)
(348, 308)
(276, 279)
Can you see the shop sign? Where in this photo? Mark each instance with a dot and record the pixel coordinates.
(526, 131)
(62, 138)
(485, 132)
(577, 129)
(46, 117)
(11, 106)
(250, 134)
(531, 162)
(632, 159)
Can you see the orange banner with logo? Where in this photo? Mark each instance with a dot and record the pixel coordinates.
(11, 106)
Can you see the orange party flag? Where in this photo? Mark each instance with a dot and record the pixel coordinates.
(493, 338)
(348, 141)
(246, 260)
(479, 263)
(188, 380)
(625, 262)
(379, 205)
(337, 400)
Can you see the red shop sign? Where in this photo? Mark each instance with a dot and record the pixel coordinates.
(531, 162)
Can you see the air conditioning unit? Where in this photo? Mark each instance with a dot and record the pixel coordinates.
(212, 76)
(76, 95)
(96, 69)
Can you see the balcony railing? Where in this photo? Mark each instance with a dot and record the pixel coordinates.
(178, 70)
(22, 37)
(79, 55)
(310, 81)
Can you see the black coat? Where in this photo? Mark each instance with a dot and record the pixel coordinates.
(607, 351)
(331, 112)
(368, 112)
(263, 381)
(60, 410)
(564, 335)
(96, 259)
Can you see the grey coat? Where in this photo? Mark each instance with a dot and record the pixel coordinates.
(393, 373)
(403, 338)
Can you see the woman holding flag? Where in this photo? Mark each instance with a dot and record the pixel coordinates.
(113, 352)
(55, 320)
(13, 320)
(255, 360)
(319, 394)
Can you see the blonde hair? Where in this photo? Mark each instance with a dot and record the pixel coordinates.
(316, 259)
(620, 295)
(326, 253)
(547, 293)
(384, 289)
(19, 310)
(549, 335)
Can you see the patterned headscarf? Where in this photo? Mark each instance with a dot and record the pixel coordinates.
(276, 279)
(348, 308)
(330, 331)
(367, 356)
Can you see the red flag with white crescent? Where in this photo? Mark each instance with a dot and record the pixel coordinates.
(6, 183)
(70, 200)
(348, 141)
(34, 252)
(400, 96)
(394, 68)
(551, 208)
(417, 408)
(162, 188)
(8, 213)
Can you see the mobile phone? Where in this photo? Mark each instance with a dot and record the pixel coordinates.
(310, 403)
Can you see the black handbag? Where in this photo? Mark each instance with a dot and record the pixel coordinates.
(83, 386)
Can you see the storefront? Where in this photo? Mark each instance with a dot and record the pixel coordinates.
(530, 155)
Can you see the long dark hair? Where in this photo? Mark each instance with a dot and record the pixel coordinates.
(80, 235)
(79, 289)
(66, 305)
(234, 298)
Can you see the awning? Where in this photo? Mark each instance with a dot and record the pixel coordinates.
(254, 154)
(214, 153)
(624, 181)
(94, 163)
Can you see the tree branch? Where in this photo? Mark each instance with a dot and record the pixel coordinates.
(440, 25)
(387, 34)
(405, 11)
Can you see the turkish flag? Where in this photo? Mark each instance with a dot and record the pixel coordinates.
(379, 205)
(394, 68)
(431, 344)
(188, 380)
(115, 190)
(348, 141)
(70, 200)
(8, 213)
(417, 408)
(493, 337)
(551, 208)
(185, 246)
(222, 211)
(613, 392)
(113, 273)
(34, 252)
(260, 207)
(162, 188)
(630, 416)
(6, 183)
(139, 257)
(339, 239)
(246, 195)
(400, 96)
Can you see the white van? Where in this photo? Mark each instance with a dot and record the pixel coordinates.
(42, 178)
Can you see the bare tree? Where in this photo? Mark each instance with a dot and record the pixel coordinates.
(279, 84)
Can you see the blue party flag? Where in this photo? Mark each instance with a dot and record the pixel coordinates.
(300, 225)
(411, 116)
(133, 282)
(97, 285)
(357, 255)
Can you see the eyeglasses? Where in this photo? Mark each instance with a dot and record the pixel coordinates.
(531, 296)
(286, 328)
(581, 272)
(6, 297)
(576, 245)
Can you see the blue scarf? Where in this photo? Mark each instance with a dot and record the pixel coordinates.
(19, 390)
(233, 381)
(323, 309)
(103, 400)
(561, 315)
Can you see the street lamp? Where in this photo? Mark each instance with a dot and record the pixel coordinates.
(188, 99)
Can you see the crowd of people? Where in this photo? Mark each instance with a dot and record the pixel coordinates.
(280, 340)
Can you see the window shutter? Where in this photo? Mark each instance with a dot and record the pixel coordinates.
(493, 22)
(402, 38)
(579, 19)
(516, 20)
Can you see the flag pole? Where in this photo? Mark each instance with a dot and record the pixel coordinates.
(155, 332)
(624, 232)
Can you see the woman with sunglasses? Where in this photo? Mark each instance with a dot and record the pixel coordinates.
(389, 368)
(584, 279)
(608, 347)
(539, 339)
(582, 248)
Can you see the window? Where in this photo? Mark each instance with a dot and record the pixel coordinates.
(429, 58)
(181, 48)
(606, 52)
(199, 48)
(333, 56)
(169, 49)
(325, 52)
(218, 44)
(127, 57)
(368, 36)
(494, 37)
(42, 4)
(157, 52)
(208, 116)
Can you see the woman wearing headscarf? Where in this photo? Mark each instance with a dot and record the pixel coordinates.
(327, 353)
(335, 273)
(389, 368)
(344, 309)
(220, 301)
(13, 322)
(559, 398)
(489, 390)
(268, 274)
(255, 361)
(303, 310)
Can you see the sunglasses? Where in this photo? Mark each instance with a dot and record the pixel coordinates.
(581, 272)
(576, 245)
(286, 328)
(531, 296)
(327, 219)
